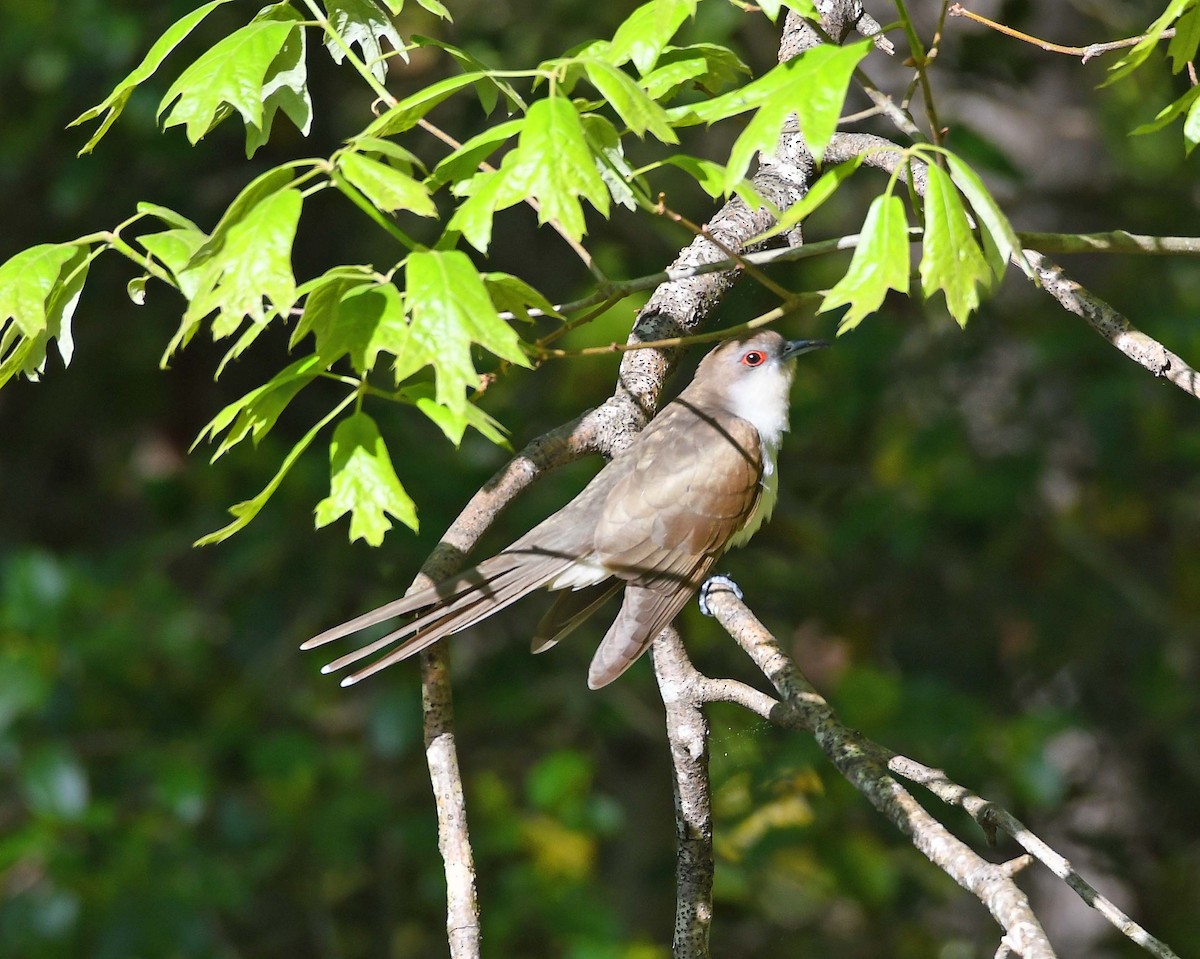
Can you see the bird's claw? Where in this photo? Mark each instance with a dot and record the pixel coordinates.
(721, 580)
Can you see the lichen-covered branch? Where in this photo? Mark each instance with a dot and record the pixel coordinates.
(859, 761)
(687, 736)
(1113, 326)
(867, 765)
(993, 817)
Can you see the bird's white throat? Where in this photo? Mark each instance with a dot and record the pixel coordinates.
(761, 398)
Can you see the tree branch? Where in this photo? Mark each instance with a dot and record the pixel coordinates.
(858, 760)
(687, 735)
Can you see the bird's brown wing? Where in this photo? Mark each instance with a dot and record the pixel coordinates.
(695, 482)
(474, 594)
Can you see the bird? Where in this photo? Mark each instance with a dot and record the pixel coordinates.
(699, 479)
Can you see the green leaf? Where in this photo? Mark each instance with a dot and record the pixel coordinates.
(393, 153)
(253, 265)
(641, 114)
(1183, 46)
(252, 194)
(609, 154)
(553, 164)
(454, 425)
(710, 66)
(168, 216)
(1138, 54)
(511, 294)
(474, 216)
(230, 76)
(114, 103)
(450, 310)
(385, 186)
(352, 314)
(880, 264)
(28, 280)
(245, 511)
(646, 31)
(1000, 239)
(408, 112)
(1191, 127)
(811, 86)
(952, 261)
(255, 413)
(464, 161)
(710, 176)
(803, 7)
(827, 184)
(285, 87)
(363, 24)
(1168, 113)
(363, 483)
(39, 290)
(436, 8)
(174, 249)
(489, 88)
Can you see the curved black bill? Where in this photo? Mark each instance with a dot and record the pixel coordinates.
(796, 347)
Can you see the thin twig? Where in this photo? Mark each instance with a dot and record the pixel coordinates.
(921, 61)
(990, 815)
(1085, 53)
(678, 342)
(1113, 326)
(576, 247)
(858, 759)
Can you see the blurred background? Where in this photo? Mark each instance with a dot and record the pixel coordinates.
(986, 553)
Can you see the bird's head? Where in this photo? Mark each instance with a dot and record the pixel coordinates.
(750, 376)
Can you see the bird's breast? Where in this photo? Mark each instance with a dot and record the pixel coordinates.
(766, 499)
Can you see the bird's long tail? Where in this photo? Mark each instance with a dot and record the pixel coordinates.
(444, 609)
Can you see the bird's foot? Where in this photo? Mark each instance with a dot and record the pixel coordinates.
(720, 580)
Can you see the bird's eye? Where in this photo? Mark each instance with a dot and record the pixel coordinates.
(753, 358)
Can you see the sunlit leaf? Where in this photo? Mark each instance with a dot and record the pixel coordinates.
(254, 414)
(825, 186)
(553, 164)
(641, 114)
(951, 260)
(1183, 46)
(450, 310)
(1150, 39)
(363, 483)
(436, 8)
(1000, 239)
(475, 215)
(464, 161)
(114, 103)
(812, 87)
(385, 186)
(254, 265)
(285, 87)
(39, 290)
(245, 511)
(363, 24)
(228, 76)
(409, 111)
(511, 294)
(609, 155)
(880, 263)
(350, 313)
(647, 30)
(709, 175)
(708, 65)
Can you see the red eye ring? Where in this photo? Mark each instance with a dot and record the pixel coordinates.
(753, 358)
